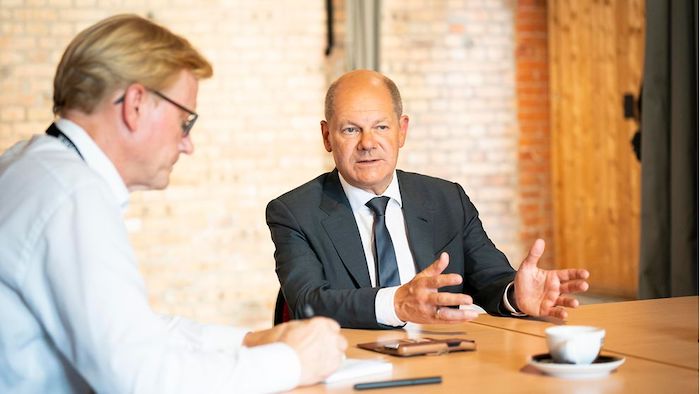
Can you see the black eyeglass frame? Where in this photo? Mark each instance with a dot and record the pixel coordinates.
(186, 124)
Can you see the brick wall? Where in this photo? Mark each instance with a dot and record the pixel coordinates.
(202, 244)
(532, 75)
(453, 61)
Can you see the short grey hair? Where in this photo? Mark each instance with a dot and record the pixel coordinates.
(329, 108)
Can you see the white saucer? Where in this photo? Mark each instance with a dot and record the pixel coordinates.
(601, 366)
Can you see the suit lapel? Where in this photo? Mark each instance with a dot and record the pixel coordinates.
(418, 213)
(342, 229)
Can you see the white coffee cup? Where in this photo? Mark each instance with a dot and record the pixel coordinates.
(574, 344)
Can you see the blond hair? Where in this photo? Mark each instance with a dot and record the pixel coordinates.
(116, 52)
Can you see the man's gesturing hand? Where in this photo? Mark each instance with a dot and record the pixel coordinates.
(541, 292)
(419, 301)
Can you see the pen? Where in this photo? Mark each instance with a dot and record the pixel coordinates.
(397, 383)
(308, 311)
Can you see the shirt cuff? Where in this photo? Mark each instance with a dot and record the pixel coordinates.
(508, 306)
(204, 337)
(250, 363)
(384, 307)
(276, 357)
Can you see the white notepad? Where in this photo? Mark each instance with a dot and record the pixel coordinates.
(355, 368)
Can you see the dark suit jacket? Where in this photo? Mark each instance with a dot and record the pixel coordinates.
(320, 260)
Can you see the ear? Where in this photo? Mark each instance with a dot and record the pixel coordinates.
(132, 106)
(403, 129)
(325, 132)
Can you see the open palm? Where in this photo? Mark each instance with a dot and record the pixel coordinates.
(540, 292)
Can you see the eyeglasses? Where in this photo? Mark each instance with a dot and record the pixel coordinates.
(189, 120)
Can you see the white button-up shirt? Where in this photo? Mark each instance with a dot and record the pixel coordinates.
(74, 314)
(395, 223)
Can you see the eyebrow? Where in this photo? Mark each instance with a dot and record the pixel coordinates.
(346, 122)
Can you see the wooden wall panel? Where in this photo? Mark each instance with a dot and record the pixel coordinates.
(596, 54)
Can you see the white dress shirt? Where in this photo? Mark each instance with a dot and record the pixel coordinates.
(74, 313)
(384, 302)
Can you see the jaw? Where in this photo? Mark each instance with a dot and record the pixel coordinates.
(372, 176)
(151, 178)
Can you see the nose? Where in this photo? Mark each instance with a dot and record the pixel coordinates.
(367, 140)
(186, 145)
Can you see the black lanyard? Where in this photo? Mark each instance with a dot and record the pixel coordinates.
(55, 132)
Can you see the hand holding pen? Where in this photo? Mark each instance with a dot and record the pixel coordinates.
(316, 341)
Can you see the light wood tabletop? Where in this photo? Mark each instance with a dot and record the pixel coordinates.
(662, 330)
(500, 363)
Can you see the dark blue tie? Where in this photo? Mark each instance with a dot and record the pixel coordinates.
(384, 254)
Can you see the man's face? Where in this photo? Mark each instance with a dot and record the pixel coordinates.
(364, 133)
(163, 141)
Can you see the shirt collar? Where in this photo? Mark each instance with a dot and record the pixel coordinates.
(96, 159)
(359, 197)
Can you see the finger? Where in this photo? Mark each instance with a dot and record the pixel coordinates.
(569, 302)
(574, 286)
(534, 255)
(559, 313)
(572, 274)
(451, 299)
(294, 323)
(437, 266)
(325, 322)
(443, 280)
(450, 315)
(549, 301)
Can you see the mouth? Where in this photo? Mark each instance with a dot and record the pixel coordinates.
(367, 161)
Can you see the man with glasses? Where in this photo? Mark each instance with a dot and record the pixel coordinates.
(74, 314)
(187, 123)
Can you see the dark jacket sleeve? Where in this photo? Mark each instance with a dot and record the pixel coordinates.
(455, 228)
(487, 271)
(306, 263)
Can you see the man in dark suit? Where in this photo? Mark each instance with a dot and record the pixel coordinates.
(370, 245)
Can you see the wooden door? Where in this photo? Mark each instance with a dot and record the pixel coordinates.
(596, 56)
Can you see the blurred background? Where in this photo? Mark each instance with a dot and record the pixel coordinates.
(529, 104)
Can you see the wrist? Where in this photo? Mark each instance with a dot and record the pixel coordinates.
(509, 302)
(397, 318)
(510, 295)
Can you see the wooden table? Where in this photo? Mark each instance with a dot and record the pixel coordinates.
(504, 346)
(663, 330)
